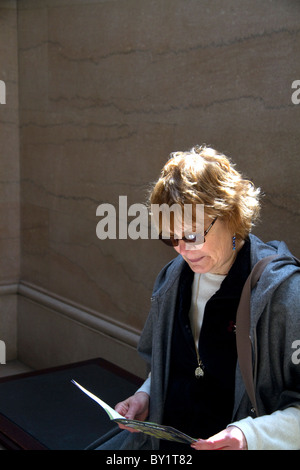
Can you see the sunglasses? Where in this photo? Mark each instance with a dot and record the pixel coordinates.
(193, 238)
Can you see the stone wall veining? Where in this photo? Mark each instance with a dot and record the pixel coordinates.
(108, 90)
(99, 93)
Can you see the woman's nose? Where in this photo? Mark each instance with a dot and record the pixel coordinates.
(182, 247)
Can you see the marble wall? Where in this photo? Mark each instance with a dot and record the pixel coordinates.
(9, 177)
(107, 90)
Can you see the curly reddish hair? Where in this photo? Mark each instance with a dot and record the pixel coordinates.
(205, 176)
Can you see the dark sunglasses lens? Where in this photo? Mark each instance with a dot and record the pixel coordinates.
(194, 238)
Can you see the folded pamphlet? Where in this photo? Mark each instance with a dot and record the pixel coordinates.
(156, 430)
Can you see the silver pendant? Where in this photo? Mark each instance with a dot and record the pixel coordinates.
(199, 372)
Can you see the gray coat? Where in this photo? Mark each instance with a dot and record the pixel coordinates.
(275, 325)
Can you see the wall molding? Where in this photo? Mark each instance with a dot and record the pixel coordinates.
(74, 311)
(9, 288)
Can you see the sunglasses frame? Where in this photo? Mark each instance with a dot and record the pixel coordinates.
(172, 241)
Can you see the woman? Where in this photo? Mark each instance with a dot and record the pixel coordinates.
(189, 338)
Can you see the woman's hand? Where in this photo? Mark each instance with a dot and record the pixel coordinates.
(232, 438)
(134, 407)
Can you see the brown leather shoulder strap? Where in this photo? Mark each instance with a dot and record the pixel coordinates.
(243, 341)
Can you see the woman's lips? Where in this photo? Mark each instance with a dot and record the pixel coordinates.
(196, 260)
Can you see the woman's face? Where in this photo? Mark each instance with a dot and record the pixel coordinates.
(215, 255)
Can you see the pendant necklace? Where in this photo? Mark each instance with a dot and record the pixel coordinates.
(199, 371)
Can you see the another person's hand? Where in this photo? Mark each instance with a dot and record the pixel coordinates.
(134, 407)
(231, 438)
